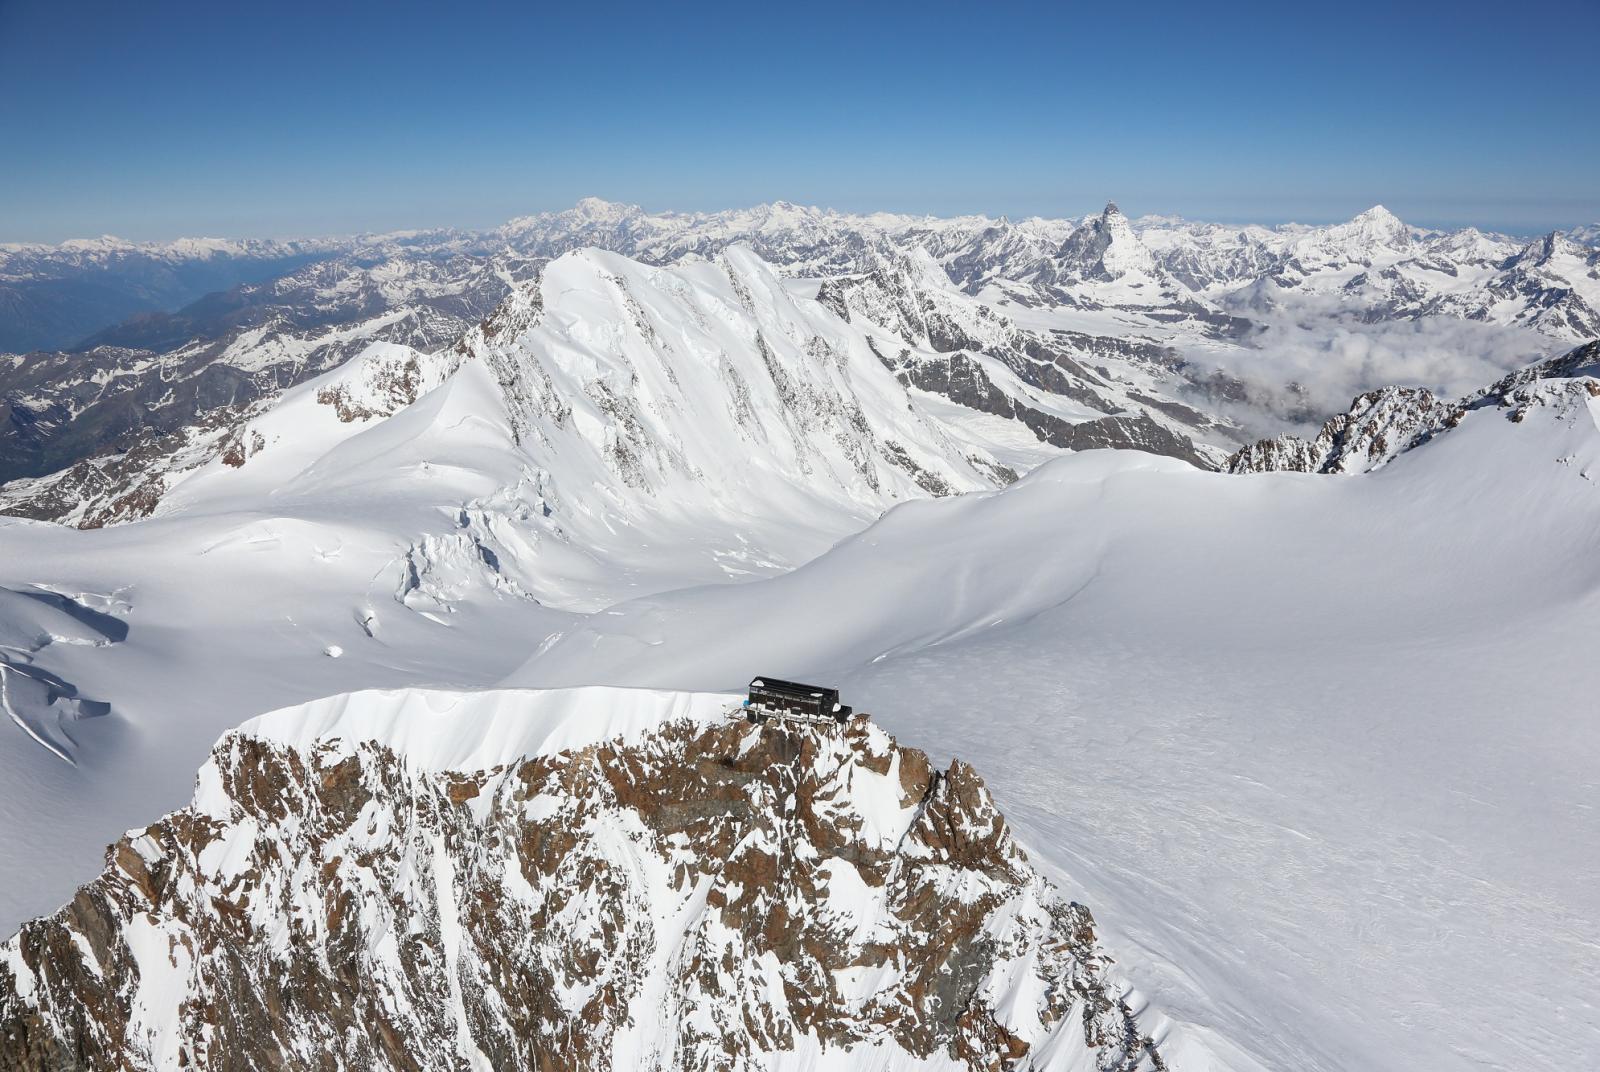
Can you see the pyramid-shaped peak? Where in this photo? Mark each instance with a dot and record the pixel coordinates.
(1379, 220)
(1365, 235)
(1548, 246)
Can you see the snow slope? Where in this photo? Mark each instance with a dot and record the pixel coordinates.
(417, 518)
(1318, 747)
(1322, 747)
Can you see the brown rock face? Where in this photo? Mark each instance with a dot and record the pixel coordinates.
(702, 897)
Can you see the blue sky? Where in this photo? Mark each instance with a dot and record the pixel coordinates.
(165, 119)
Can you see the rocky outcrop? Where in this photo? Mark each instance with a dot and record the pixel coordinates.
(910, 297)
(1378, 426)
(1383, 424)
(702, 895)
(961, 378)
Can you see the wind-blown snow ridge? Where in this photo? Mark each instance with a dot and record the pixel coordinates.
(444, 730)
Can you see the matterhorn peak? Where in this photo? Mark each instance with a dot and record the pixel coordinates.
(1106, 248)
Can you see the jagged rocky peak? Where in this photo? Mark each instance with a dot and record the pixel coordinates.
(1544, 249)
(1378, 426)
(1106, 248)
(586, 879)
(1383, 424)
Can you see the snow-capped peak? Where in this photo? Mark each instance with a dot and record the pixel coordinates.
(1381, 226)
(598, 208)
(1379, 218)
(1106, 248)
(1546, 248)
(1375, 229)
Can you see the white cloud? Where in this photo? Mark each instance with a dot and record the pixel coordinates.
(1308, 362)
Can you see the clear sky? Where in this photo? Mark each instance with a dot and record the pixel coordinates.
(153, 120)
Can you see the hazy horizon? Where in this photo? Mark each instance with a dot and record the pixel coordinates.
(1131, 212)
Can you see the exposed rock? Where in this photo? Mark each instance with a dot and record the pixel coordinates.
(1383, 424)
(700, 896)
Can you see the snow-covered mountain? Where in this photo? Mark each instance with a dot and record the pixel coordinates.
(1328, 734)
(596, 879)
(1586, 235)
(145, 385)
(53, 296)
(1169, 286)
(887, 384)
(1063, 632)
(1377, 268)
(1276, 727)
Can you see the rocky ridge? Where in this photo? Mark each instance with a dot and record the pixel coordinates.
(688, 893)
(1383, 424)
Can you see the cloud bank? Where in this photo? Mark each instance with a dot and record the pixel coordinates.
(1307, 363)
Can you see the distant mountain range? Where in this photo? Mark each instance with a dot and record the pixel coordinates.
(1086, 332)
(492, 525)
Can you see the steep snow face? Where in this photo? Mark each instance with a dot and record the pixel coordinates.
(655, 380)
(591, 880)
(610, 397)
(1316, 746)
